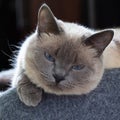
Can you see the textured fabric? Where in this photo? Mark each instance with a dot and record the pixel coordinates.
(101, 104)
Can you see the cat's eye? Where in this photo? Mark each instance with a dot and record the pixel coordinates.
(78, 67)
(49, 57)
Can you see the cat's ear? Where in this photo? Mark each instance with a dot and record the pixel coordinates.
(100, 40)
(46, 21)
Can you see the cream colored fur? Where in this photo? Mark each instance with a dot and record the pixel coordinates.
(112, 52)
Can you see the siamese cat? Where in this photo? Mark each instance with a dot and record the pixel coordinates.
(61, 58)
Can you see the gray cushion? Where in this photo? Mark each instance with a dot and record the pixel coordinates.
(101, 104)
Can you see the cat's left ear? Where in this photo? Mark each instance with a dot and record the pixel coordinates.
(100, 40)
(46, 21)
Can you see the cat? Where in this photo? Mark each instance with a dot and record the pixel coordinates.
(62, 58)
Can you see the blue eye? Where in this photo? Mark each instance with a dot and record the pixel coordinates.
(49, 57)
(78, 67)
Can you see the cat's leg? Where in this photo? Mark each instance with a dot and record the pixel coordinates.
(5, 79)
(28, 93)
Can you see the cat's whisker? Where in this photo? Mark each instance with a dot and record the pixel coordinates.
(9, 46)
(44, 74)
(15, 46)
(6, 54)
(81, 84)
(68, 85)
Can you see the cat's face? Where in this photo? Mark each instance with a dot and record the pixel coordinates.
(62, 64)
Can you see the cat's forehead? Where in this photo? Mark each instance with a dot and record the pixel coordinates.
(61, 43)
(68, 49)
(63, 39)
(67, 52)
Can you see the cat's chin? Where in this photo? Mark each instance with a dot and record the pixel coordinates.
(62, 89)
(56, 88)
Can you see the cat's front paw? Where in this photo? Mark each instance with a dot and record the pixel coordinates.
(28, 93)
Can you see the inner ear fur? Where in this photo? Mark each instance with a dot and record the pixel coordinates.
(46, 21)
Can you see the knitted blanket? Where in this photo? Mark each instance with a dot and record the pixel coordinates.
(103, 103)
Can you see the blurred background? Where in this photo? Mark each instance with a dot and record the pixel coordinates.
(18, 18)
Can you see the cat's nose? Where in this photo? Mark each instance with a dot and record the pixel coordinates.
(58, 78)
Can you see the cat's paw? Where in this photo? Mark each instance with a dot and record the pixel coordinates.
(28, 93)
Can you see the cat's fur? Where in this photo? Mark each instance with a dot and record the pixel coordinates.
(111, 55)
(69, 44)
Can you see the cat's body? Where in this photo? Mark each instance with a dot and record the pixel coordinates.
(62, 58)
(26, 59)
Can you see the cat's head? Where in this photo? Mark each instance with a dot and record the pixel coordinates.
(60, 59)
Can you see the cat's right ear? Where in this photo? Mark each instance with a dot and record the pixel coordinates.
(46, 21)
(100, 40)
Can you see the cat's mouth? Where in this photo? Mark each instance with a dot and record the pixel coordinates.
(53, 84)
(60, 86)
(57, 84)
